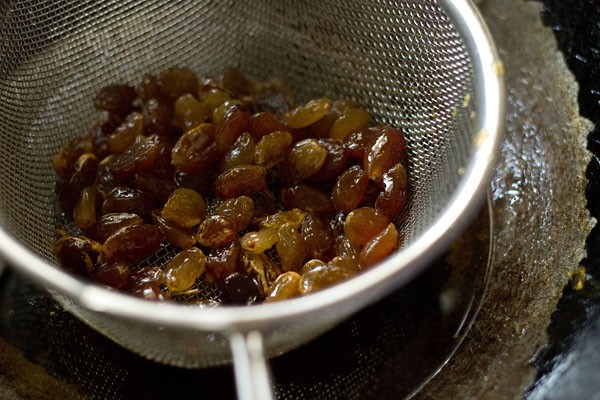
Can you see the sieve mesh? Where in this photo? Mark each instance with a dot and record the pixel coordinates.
(403, 61)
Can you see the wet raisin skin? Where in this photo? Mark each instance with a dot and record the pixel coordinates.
(286, 286)
(394, 196)
(379, 247)
(183, 269)
(114, 275)
(350, 189)
(241, 289)
(110, 223)
(222, 262)
(363, 224)
(185, 207)
(77, 253)
(116, 99)
(318, 237)
(195, 150)
(307, 198)
(235, 122)
(245, 180)
(386, 149)
(335, 161)
(132, 244)
(126, 200)
(181, 238)
(216, 231)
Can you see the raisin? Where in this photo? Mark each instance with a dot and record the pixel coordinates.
(116, 99)
(219, 113)
(320, 276)
(126, 200)
(222, 262)
(259, 241)
(148, 88)
(384, 151)
(286, 286)
(124, 136)
(363, 224)
(158, 119)
(140, 156)
(82, 174)
(241, 152)
(350, 189)
(346, 249)
(352, 120)
(307, 114)
(158, 188)
(241, 289)
(84, 213)
(334, 163)
(261, 268)
(183, 269)
(110, 223)
(263, 123)
(379, 247)
(180, 237)
(264, 204)
(237, 83)
(356, 143)
(213, 98)
(293, 218)
(77, 253)
(239, 209)
(185, 207)
(64, 161)
(114, 274)
(132, 243)
(216, 231)
(196, 149)
(176, 81)
(290, 248)
(145, 283)
(235, 122)
(189, 112)
(393, 198)
(307, 198)
(304, 160)
(271, 149)
(348, 264)
(244, 180)
(318, 237)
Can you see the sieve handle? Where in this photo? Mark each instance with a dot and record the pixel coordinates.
(250, 367)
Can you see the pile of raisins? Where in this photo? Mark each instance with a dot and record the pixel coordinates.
(263, 199)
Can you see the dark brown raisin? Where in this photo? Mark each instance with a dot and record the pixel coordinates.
(78, 254)
(132, 244)
(244, 180)
(307, 198)
(393, 198)
(196, 149)
(318, 237)
(110, 223)
(116, 99)
(241, 289)
(126, 200)
(350, 189)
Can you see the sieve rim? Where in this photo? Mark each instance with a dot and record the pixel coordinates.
(370, 285)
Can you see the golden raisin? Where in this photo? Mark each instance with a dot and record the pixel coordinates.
(350, 189)
(352, 120)
(307, 114)
(235, 122)
(290, 248)
(286, 286)
(263, 123)
(321, 276)
(244, 180)
(384, 151)
(393, 198)
(259, 241)
(196, 149)
(216, 231)
(176, 81)
(141, 155)
(307, 198)
(239, 209)
(318, 237)
(271, 148)
(185, 208)
(304, 160)
(189, 112)
(379, 247)
(293, 218)
(124, 136)
(335, 161)
(181, 238)
(363, 224)
(84, 213)
(241, 152)
(183, 269)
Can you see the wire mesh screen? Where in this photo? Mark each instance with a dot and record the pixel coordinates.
(402, 61)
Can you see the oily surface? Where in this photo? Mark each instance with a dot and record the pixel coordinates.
(540, 216)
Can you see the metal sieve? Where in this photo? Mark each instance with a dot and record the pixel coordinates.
(427, 66)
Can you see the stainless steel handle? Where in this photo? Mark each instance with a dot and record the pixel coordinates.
(250, 367)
